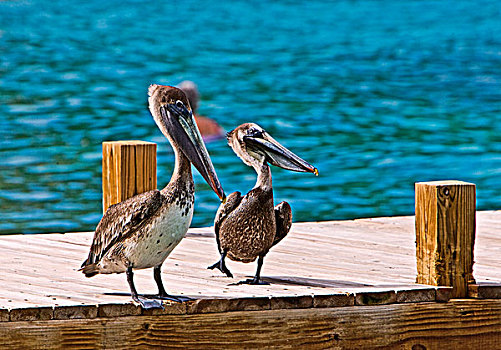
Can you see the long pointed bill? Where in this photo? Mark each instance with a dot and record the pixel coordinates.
(185, 133)
(278, 155)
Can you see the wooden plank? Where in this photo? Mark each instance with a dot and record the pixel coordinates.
(129, 168)
(296, 302)
(462, 324)
(334, 300)
(225, 305)
(75, 312)
(376, 298)
(316, 260)
(485, 291)
(31, 314)
(445, 234)
(416, 295)
(4, 315)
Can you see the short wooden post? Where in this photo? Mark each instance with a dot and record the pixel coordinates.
(445, 234)
(129, 168)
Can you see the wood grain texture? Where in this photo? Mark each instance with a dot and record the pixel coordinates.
(129, 168)
(416, 295)
(485, 291)
(462, 324)
(445, 234)
(332, 262)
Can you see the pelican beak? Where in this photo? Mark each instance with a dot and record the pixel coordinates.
(276, 154)
(183, 129)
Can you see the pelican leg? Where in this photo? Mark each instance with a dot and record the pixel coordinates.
(145, 303)
(257, 278)
(130, 279)
(162, 294)
(158, 278)
(221, 266)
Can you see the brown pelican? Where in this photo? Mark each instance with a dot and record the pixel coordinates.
(247, 227)
(142, 231)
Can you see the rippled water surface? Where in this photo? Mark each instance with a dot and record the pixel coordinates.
(376, 94)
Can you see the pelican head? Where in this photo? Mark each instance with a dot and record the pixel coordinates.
(171, 111)
(255, 147)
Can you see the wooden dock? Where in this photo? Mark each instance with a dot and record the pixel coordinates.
(337, 284)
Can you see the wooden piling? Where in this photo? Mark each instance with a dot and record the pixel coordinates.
(445, 234)
(129, 168)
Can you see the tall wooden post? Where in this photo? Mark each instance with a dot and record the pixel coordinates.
(129, 168)
(445, 234)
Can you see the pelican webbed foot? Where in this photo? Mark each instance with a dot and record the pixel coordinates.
(254, 281)
(257, 278)
(221, 266)
(147, 303)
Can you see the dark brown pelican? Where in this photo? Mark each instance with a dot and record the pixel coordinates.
(142, 231)
(247, 227)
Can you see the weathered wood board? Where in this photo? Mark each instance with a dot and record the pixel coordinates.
(459, 324)
(364, 255)
(336, 282)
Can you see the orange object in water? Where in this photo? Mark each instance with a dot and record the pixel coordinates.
(208, 127)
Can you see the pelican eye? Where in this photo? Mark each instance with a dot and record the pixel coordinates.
(253, 132)
(179, 104)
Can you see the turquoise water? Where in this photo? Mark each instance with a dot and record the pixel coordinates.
(376, 94)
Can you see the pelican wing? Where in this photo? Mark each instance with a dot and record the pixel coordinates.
(232, 202)
(283, 218)
(120, 221)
